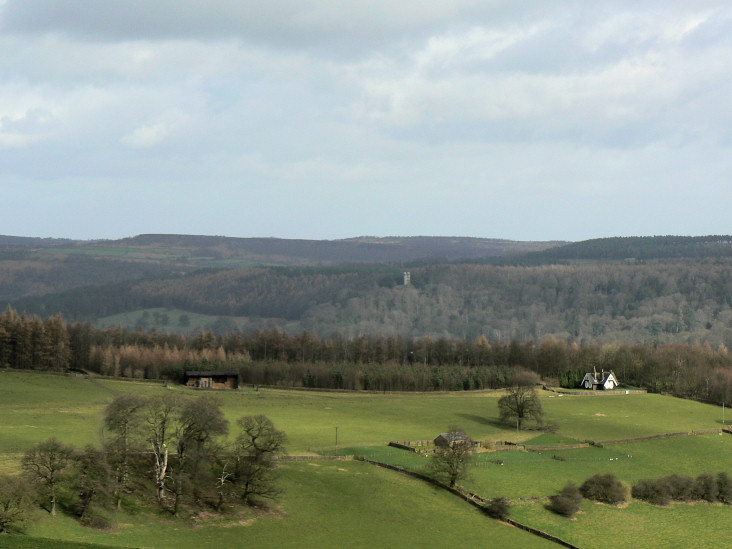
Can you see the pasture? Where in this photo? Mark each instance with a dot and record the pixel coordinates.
(330, 503)
(637, 525)
(325, 504)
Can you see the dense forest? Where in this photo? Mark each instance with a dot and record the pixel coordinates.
(393, 363)
(670, 301)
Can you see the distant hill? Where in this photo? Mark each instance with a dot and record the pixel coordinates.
(640, 248)
(213, 250)
(31, 267)
(636, 289)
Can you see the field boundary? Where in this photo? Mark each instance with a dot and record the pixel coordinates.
(471, 498)
(613, 392)
(601, 443)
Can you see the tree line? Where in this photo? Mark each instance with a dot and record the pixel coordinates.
(166, 451)
(379, 363)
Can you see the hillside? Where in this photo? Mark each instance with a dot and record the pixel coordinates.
(677, 289)
(42, 266)
(630, 248)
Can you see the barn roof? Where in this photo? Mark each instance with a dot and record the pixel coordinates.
(210, 373)
(453, 436)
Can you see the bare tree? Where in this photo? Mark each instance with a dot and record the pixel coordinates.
(521, 401)
(46, 463)
(122, 417)
(160, 417)
(90, 479)
(451, 462)
(200, 422)
(256, 450)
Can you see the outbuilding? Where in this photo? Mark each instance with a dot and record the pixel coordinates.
(448, 439)
(212, 380)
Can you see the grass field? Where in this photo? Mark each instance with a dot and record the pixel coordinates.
(540, 474)
(36, 406)
(326, 504)
(348, 503)
(637, 525)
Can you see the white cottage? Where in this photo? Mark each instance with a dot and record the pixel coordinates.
(603, 380)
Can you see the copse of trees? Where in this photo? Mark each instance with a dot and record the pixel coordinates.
(394, 363)
(167, 450)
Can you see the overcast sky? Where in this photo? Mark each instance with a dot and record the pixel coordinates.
(528, 120)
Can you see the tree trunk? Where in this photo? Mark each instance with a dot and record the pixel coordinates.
(161, 468)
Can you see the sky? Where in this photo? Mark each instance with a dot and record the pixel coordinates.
(327, 119)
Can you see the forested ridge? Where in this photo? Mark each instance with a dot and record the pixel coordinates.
(656, 301)
(664, 289)
(628, 248)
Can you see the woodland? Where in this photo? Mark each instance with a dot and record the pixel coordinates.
(656, 310)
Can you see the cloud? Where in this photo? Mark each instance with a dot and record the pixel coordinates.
(146, 136)
(405, 117)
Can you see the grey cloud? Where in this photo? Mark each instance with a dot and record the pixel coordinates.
(292, 23)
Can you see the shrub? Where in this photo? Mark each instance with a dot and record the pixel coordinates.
(677, 488)
(707, 487)
(682, 488)
(724, 488)
(15, 503)
(567, 502)
(498, 508)
(604, 488)
(654, 491)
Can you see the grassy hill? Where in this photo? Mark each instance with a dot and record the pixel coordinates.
(354, 504)
(349, 503)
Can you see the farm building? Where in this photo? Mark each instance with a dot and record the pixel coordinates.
(603, 380)
(212, 380)
(448, 439)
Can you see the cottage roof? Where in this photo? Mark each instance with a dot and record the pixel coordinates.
(601, 377)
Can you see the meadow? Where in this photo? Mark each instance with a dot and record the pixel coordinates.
(353, 504)
(325, 504)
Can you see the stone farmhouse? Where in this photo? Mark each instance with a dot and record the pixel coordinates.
(448, 439)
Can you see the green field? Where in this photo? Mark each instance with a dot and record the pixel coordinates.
(638, 525)
(348, 503)
(326, 504)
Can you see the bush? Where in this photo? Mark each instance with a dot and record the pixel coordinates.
(656, 491)
(677, 488)
(707, 487)
(498, 508)
(15, 504)
(567, 502)
(604, 488)
(724, 488)
(682, 488)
